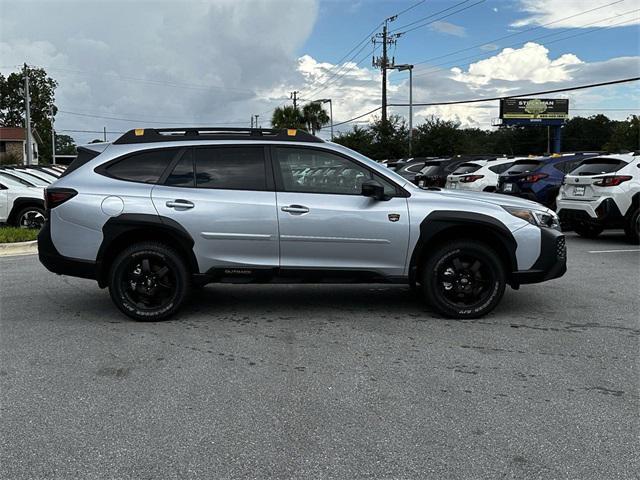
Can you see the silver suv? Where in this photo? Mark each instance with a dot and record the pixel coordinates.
(159, 211)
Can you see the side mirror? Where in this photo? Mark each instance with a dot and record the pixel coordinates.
(373, 189)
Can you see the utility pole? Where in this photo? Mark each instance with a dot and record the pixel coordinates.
(53, 137)
(383, 62)
(251, 121)
(27, 109)
(257, 121)
(104, 133)
(294, 96)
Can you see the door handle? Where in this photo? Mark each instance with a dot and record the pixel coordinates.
(180, 204)
(295, 209)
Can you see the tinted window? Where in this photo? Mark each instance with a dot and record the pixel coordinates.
(500, 168)
(415, 168)
(597, 166)
(466, 168)
(522, 167)
(144, 167)
(183, 174)
(327, 173)
(231, 168)
(431, 168)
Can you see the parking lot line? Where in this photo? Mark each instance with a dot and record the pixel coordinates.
(615, 251)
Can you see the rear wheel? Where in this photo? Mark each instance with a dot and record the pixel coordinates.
(632, 226)
(30, 217)
(464, 279)
(587, 231)
(148, 281)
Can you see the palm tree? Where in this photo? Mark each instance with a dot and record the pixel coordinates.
(315, 117)
(287, 117)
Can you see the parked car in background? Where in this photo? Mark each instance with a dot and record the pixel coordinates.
(21, 203)
(478, 175)
(29, 177)
(539, 179)
(435, 172)
(411, 167)
(602, 193)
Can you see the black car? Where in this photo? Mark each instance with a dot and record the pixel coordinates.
(435, 172)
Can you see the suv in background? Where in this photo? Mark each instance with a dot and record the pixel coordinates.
(603, 193)
(478, 175)
(160, 210)
(435, 172)
(21, 202)
(539, 178)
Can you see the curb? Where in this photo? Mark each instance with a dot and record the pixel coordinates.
(18, 248)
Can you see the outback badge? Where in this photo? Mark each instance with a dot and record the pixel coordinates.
(394, 217)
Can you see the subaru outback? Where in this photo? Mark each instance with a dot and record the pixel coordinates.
(159, 211)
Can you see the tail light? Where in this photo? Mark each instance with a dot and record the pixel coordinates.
(470, 178)
(613, 181)
(535, 177)
(54, 197)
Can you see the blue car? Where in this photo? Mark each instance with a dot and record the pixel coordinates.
(539, 178)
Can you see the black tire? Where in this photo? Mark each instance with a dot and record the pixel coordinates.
(632, 227)
(463, 279)
(30, 217)
(587, 231)
(148, 281)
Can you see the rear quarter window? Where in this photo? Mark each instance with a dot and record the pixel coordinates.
(596, 166)
(142, 167)
(84, 155)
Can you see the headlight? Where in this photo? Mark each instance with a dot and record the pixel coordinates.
(535, 217)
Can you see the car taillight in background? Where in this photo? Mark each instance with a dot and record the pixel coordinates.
(54, 197)
(470, 178)
(535, 177)
(613, 181)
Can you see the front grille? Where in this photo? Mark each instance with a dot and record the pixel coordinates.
(561, 247)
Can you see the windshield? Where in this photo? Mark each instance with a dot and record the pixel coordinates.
(466, 168)
(523, 167)
(17, 179)
(596, 166)
(431, 168)
(14, 181)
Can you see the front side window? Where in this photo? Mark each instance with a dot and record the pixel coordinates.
(327, 173)
(231, 168)
(143, 167)
(182, 174)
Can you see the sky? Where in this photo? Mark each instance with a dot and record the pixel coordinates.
(162, 63)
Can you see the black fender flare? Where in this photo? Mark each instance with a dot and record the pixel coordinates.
(21, 202)
(442, 225)
(143, 226)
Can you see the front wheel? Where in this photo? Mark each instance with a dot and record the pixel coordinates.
(464, 279)
(148, 281)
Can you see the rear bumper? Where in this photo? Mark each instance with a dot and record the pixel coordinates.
(57, 263)
(552, 262)
(602, 213)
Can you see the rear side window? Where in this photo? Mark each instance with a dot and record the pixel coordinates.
(143, 167)
(526, 166)
(84, 155)
(466, 168)
(231, 168)
(183, 174)
(596, 166)
(500, 168)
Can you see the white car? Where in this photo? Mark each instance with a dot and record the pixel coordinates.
(479, 175)
(21, 203)
(602, 193)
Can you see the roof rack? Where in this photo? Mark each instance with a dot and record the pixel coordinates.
(149, 135)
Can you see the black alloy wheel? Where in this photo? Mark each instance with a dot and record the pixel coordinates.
(148, 281)
(464, 279)
(30, 217)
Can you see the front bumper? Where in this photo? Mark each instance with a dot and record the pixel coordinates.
(57, 263)
(552, 262)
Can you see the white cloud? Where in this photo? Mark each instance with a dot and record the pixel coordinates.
(531, 62)
(448, 28)
(547, 11)
(212, 61)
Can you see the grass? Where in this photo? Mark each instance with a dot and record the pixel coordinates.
(13, 234)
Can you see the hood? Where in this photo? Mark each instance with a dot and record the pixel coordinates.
(485, 197)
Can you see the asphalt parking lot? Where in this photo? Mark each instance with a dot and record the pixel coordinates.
(276, 381)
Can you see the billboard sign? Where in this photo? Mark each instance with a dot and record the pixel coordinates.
(534, 109)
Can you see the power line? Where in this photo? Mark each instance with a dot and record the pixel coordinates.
(478, 100)
(104, 117)
(439, 18)
(409, 8)
(430, 16)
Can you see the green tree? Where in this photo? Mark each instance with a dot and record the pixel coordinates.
(315, 117)
(436, 137)
(625, 135)
(42, 93)
(359, 139)
(65, 145)
(288, 117)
